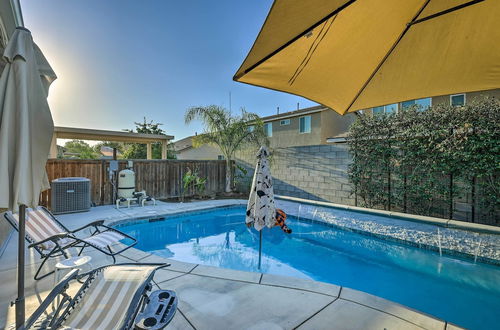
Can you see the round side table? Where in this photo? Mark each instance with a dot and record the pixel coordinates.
(71, 263)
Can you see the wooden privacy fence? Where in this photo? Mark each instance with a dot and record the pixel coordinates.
(159, 178)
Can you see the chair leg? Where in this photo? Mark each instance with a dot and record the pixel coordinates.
(83, 247)
(37, 278)
(112, 255)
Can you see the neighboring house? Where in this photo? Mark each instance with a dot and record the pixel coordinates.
(61, 151)
(454, 99)
(184, 150)
(308, 126)
(458, 99)
(107, 153)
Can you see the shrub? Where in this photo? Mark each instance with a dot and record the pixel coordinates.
(423, 160)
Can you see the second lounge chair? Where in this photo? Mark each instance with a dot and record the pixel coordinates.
(50, 238)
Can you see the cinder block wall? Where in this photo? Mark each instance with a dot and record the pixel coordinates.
(311, 172)
(321, 173)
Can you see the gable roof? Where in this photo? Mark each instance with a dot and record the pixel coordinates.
(295, 113)
(183, 144)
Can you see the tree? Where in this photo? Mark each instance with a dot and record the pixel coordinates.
(139, 151)
(81, 149)
(230, 133)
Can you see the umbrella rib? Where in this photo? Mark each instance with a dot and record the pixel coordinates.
(449, 10)
(336, 11)
(312, 50)
(309, 51)
(407, 27)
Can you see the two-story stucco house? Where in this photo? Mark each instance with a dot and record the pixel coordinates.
(454, 99)
(309, 126)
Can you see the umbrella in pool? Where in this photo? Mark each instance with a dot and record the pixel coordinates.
(357, 54)
(26, 129)
(261, 210)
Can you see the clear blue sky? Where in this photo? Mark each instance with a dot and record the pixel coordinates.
(120, 60)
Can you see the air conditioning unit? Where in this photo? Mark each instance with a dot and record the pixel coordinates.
(70, 195)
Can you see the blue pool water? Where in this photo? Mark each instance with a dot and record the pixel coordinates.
(456, 290)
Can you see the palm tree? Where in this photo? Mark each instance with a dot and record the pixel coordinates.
(230, 133)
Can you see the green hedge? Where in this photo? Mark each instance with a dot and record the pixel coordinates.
(423, 161)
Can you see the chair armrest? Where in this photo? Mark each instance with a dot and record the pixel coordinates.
(92, 224)
(108, 228)
(52, 238)
(58, 289)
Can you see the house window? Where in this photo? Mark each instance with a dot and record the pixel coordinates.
(422, 104)
(284, 122)
(305, 124)
(390, 108)
(220, 157)
(268, 129)
(457, 100)
(251, 128)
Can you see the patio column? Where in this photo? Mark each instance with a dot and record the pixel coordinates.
(149, 151)
(53, 147)
(164, 149)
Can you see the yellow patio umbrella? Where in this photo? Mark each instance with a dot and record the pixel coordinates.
(357, 54)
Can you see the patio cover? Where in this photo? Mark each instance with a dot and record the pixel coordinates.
(357, 54)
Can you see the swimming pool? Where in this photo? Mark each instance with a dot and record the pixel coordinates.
(453, 289)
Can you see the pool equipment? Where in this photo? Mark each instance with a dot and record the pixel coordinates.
(126, 183)
(127, 191)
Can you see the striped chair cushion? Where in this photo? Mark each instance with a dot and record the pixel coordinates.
(104, 239)
(40, 226)
(104, 305)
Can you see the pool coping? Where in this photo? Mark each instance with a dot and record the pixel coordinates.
(122, 222)
(447, 223)
(336, 292)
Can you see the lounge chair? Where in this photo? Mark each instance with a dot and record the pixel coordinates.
(50, 238)
(111, 297)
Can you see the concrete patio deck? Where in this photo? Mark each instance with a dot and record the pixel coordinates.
(216, 298)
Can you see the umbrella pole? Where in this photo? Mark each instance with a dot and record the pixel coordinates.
(20, 269)
(260, 247)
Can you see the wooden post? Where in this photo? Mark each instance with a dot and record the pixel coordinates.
(164, 149)
(103, 181)
(149, 151)
(53, 147)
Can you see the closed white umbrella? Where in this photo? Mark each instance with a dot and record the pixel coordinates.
(261, 210)
(26, 130)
